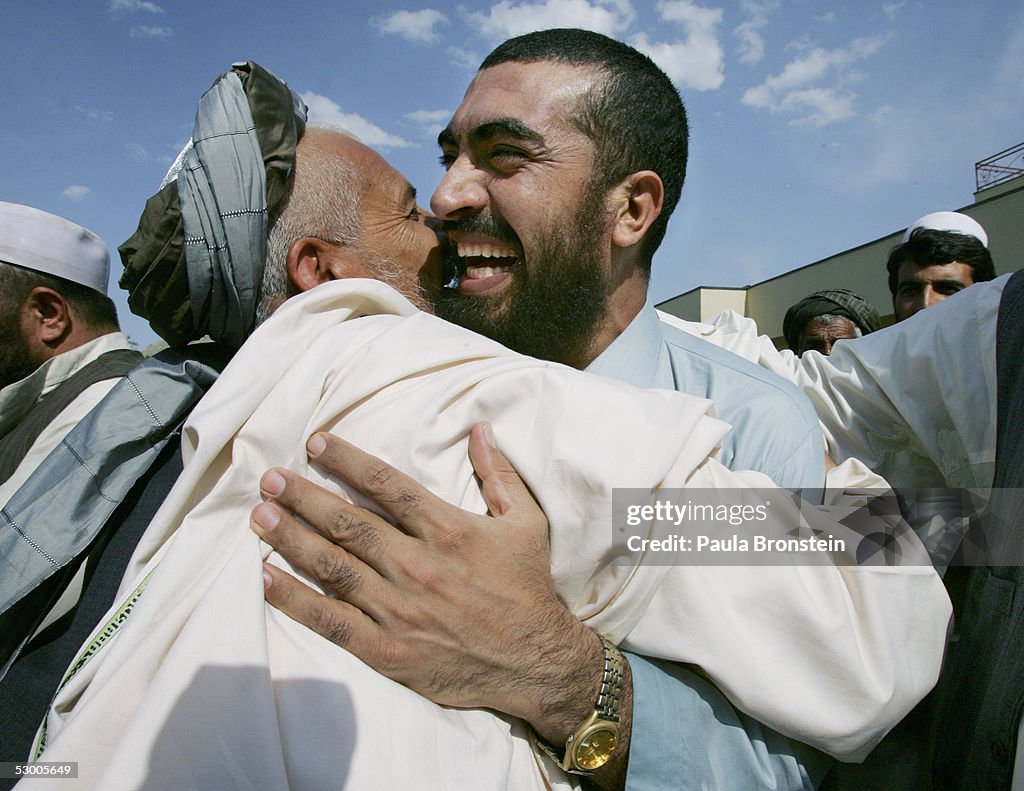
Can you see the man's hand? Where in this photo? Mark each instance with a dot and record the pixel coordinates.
(459, 607)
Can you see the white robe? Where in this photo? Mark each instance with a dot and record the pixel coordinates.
(203, 685)
(916, 402)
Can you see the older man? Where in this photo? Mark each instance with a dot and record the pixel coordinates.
(564, 162)
(127, 445)
(820, 319)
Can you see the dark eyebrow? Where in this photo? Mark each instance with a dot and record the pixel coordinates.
(507, 127)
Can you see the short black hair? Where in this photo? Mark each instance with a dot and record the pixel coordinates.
(635, 116)
(927, 247)
(96, 310)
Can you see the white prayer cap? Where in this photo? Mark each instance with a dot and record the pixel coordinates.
(949, 221)
(50, 244)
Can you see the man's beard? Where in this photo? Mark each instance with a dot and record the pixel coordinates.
(409, 284)
(16, 360)
(554, 306)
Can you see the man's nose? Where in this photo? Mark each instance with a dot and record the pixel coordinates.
(932, 297)
(461, 191)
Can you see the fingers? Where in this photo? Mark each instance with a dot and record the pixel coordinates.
(505, 493)
(356, 529)
(339, 622)
(340, 574)
(405, 500)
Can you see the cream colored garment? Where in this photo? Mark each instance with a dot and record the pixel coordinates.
(205, 686)
(17, 398)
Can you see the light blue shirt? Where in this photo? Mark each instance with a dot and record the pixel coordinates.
(774, 427)
(685, 733)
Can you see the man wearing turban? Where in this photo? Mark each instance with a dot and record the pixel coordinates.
(824, 317)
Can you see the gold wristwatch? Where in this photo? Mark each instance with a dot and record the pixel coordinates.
(591, 745)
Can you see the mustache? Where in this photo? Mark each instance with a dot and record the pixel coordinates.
(485, 225)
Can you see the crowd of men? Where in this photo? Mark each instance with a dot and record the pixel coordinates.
(563, 163)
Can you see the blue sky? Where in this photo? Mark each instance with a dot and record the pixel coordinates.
(815, 126)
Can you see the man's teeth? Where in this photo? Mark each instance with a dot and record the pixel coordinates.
(484, 250)
(477, 272)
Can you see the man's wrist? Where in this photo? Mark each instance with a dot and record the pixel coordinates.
(572, 681)
(594, 740)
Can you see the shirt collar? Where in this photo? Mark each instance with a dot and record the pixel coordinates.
(634, 356)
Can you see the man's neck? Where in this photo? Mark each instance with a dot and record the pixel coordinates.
(622, 307)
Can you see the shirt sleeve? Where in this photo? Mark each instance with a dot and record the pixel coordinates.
(686, 736)
(914, 401)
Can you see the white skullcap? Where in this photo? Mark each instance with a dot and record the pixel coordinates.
(50, 244)
(949, 221)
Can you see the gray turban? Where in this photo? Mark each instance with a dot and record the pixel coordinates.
(194, 265)
(837, 302)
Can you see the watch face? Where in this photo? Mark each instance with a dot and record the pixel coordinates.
(595, 749)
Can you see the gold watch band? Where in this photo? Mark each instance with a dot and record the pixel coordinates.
(591, 745)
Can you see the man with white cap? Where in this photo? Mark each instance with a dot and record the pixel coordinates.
(60, 347)
(941, 253)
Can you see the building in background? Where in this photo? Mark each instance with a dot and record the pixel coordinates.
(998, 205)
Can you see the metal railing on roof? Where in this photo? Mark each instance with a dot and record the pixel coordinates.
(996, 169)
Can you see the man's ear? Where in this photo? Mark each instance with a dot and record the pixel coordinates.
(636, 204)
(311, 261)
(47, 316)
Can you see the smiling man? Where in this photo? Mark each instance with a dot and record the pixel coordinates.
(564, 162)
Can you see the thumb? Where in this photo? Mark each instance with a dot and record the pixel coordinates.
(504, 491)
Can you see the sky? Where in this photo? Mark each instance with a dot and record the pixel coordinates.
(814, 126)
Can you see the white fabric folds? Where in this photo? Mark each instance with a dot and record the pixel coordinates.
(205, 686)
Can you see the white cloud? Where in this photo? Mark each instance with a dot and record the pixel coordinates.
(751, 46)
(798, 90)
(464, 58)
(429, 116)
(145, 31)
(75, 192)
(507, 19)
(829, 18)
(327, 112)
(818, 106)
(695, 61)
(891, 9)
(134, 5)
(430, 121)
(415, 26)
